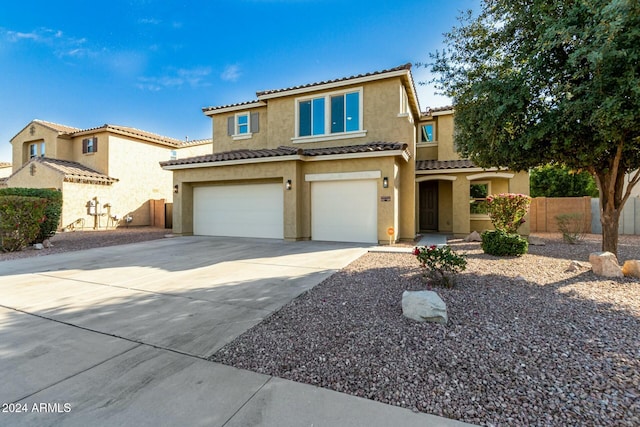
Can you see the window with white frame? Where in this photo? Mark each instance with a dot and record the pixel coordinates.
(428, 132)
(478, 193)
(42, 149)
(33, 151)
(330, 114)
(243, 125)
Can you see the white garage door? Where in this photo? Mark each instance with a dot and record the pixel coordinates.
(254, 210)
(344, 211)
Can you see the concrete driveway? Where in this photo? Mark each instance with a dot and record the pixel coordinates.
(120, 336)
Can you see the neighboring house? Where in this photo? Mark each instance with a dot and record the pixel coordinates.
(5, 171)
(351, 159)
(105, 173)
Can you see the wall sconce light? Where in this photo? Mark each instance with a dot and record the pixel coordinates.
(175, 188)
(385, 182)
(288, 185)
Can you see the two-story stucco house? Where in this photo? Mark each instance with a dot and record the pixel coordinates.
(106, 173)
(350, 159)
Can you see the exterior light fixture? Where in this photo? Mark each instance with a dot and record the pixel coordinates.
(385, 182)
(175, 188)
(288, 185)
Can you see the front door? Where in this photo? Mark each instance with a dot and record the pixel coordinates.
(429, 206)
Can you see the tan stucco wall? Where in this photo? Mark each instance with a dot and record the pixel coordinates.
(98, 161)
(446, 149)
(297, 202)
(75, 197)
(5, 171)
(20, 143)
(445, 206)
(223, 142)
(426, 152)
(43, 177)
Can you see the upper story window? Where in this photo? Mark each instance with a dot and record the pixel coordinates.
(42, 149)
(428, 132)
(90, 145)
(243, 125)
(173, 155)
(330, 115)
(33, 151)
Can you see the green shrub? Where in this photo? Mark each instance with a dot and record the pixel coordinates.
(52, 211)
(440, 264)
(20, 219)
(572, 226)
(500, 243)
(507, 210)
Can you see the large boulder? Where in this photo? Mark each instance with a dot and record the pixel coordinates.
(631, 268)
(424, 306)
(605, 264)
(473, 237)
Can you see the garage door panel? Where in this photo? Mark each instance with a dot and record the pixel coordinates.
(254, 210)
(344, 211)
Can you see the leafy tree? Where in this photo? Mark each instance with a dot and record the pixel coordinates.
(560, 181)
(535, 82)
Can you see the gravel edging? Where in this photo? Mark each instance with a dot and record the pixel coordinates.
(86, 239)
(527, 342)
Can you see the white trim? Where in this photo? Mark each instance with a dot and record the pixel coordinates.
(235, 108)
(442, 113)
(329, 137)
(327, 114)
(427, 144)
(242, 136)
(454, 171)
(342, 176)
(437, 178)
(334, 85)
(490, 175)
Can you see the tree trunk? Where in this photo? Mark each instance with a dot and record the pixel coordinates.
(610, 220)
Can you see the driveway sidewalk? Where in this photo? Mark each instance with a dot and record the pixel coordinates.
(120, 336)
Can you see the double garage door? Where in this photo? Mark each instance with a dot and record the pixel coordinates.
(341, 211)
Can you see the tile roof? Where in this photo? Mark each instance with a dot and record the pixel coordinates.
(238, 104)
(287, 151)
(57, 127)
(73, 171)
(427, 165)
(429, 111)
(375, 73)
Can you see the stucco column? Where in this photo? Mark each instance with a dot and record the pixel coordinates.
(461, 215)
(183, 209)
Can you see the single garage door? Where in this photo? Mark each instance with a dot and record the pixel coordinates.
(344, 211)
(254, 210)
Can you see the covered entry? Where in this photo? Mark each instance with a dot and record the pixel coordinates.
(251, 210)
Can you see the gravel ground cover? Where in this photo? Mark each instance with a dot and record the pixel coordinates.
(85, 239)
(528, 343)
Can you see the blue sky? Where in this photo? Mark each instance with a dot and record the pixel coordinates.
(153, 64)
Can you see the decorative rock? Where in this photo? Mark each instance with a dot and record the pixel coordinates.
(38, 246)
(575, 266)
(424, 306)
(536, 241)
(605, 264)
(631, 268)
(47, 243)
(473, 237)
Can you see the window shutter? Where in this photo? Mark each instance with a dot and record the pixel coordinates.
(95, 144)
(84, 146)
(255, 122)
(231, 125)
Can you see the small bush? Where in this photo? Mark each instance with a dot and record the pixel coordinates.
(507, 210)
(20, 219)
(500, 243)
(440, 264)
(572, 227)
(52, 210)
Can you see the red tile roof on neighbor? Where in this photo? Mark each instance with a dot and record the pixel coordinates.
(122, 130)
(73, 171)
(427, 165)
(287, 151)
(430, 110)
